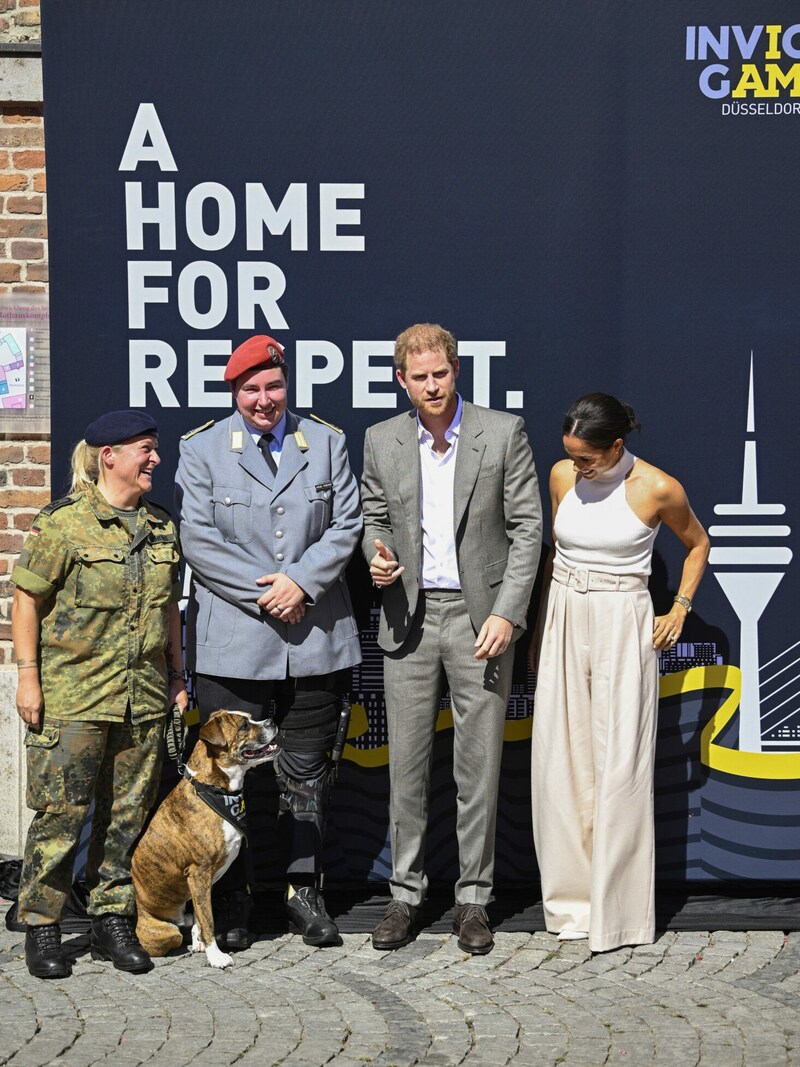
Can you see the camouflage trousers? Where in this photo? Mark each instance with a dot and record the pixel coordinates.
(71, 764)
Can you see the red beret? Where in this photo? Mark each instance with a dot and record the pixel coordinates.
(259, 351)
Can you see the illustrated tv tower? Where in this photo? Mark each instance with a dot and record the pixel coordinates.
(749, 590)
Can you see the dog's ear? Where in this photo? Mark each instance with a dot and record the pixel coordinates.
(212, 734)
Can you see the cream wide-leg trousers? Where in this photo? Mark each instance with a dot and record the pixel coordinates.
(594, 732)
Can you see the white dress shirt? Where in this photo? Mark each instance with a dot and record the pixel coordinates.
(439, 566)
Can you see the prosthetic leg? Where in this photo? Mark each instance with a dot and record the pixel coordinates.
(312, 718)
(311, 737)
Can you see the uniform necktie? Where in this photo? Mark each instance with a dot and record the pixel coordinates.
(263, 444)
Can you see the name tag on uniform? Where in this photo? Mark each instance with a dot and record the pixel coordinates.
(323, 485)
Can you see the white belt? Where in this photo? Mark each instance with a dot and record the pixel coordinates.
(583, 580)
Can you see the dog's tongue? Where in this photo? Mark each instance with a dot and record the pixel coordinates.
(255, 753)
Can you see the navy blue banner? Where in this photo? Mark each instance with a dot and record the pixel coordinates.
(591, 196)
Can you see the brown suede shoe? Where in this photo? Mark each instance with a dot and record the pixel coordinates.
(471, 923)
(396, 928)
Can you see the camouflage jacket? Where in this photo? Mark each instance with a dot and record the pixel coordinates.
(105, 620)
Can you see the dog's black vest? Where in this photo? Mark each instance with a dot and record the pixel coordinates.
(229, 806)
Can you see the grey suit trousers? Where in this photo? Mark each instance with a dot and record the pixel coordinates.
(441, 646)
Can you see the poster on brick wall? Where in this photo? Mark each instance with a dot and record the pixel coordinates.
(590, 196)
(24, 363)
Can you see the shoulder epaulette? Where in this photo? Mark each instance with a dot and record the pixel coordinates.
(330, 425)
(54, 505)
(198, 429)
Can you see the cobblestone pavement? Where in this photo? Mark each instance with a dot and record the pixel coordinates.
(710, 999)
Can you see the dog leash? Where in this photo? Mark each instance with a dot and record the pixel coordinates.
(175, 732)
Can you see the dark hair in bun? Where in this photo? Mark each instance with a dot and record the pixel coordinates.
(599, 419)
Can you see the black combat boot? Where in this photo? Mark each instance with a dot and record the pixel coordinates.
(305, 910)
(43, 953)
(114, 938)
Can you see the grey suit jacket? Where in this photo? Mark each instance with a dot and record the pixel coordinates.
(496, 510)
(238, 522)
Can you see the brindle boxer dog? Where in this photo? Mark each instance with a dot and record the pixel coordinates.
(188, 845)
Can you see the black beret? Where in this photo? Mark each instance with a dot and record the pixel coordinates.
(116, 426)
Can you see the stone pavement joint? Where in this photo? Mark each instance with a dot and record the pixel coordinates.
(713, 999)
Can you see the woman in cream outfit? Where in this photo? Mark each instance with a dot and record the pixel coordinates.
(594, 725)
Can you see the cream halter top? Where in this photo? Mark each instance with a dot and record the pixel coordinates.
(596, 528)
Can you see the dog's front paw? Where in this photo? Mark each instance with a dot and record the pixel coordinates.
(216, 957)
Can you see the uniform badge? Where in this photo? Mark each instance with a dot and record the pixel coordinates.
(236, 441)
(300, 440)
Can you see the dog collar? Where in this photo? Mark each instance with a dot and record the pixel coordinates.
(229, 806)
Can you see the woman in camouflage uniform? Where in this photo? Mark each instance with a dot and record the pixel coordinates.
(97, 638)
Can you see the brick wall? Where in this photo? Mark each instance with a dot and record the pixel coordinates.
(23, 217)
(19, 20)
(24, 461)
(24, 488)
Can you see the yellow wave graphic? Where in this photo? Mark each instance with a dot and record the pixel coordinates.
(784, 766)
(515, 730)
(773, 765)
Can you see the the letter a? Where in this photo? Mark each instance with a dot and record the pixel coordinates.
(147, 127)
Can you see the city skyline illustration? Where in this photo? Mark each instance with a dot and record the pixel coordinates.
(769, 717)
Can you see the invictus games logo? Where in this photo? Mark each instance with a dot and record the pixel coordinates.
(754, 70)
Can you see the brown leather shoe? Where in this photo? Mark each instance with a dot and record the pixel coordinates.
(396, 928)
(471, 923)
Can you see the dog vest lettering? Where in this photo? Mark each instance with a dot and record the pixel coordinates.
(229, 806)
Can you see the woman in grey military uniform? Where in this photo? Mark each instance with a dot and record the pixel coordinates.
(269, 518)
(97, 638)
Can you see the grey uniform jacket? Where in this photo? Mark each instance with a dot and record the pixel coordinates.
(238, 523)
(497, 516)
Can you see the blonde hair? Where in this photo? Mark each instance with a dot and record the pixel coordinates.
(420, 338)
(85, 465)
